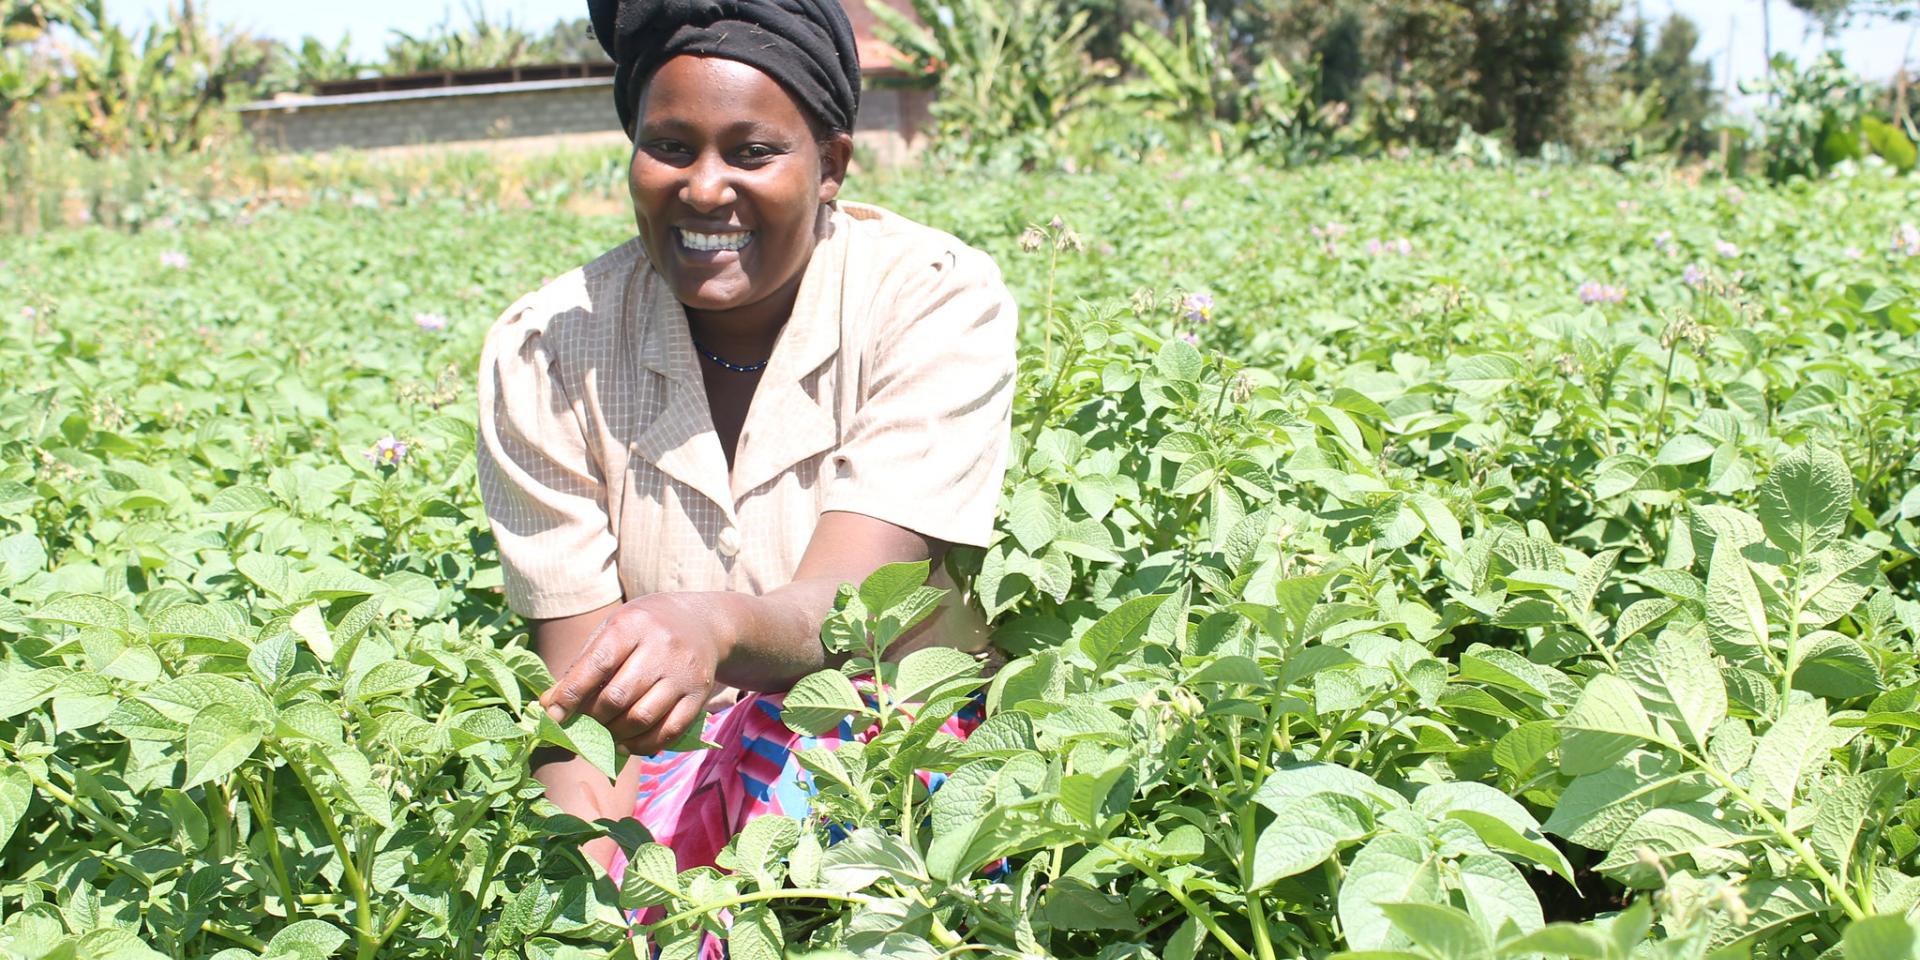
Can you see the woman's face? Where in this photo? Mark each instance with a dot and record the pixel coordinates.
(727, 182)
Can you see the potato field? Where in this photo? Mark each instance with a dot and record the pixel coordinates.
(1398, 560)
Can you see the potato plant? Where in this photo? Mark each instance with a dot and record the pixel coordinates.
(1396, 560)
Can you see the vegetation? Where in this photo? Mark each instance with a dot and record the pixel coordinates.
(1415, 559)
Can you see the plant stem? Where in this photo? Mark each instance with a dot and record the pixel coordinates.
(1666, 389)
(262, 796)
(74, 803)
(1834, 887)
(356, 883)
(1179, 896)
(1256, 912)
(253, 943)
(521, 755)
(802, 893)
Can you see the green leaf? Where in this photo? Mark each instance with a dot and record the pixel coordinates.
(891, 585)
(652, 878)
(1835, 581)
(1736, 616)
(1305, 779)
(1306, 831)
(1787, 751)
(1885, 937)
(1114, 633)
(1845, 811)
(272, 658)
(1677, 679)
(389, 678)
(581, 734)
(1497, 895)
(1837, 667)
(180, 699)
(1561, 940)
(1771, 905)
(1179, 361)
(1602, 726)
(819, 702)
(1524, 843)
(322, 937)
(1392, 868)
(1447, 932)
(866, 856)
(83, 610)
(1595, 809)
(1683, 829)
(1034, 518)
(926, 674)
(756, 935)
(1483, 374)
(1804, 500)
(16, 792)
(311, 627)
(219, 739)
(762, 844)
(1073, 904)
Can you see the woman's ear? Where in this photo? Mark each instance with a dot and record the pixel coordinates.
(836, 153)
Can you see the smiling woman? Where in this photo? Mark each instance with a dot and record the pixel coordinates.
(690, 443)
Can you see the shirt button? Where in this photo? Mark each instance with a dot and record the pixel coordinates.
(729, 542)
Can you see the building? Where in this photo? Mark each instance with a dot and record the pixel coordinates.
(541, 108)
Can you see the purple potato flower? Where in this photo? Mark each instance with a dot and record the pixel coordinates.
(430, 321)
(174, 259)
(1906, 240)
(388, 452)
(1198, 307)
(1594, 291)
(1694, 276)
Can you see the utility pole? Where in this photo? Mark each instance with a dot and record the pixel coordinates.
(1726, 130)
(1766, 42)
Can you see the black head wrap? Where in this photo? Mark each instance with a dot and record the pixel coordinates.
(806, 45)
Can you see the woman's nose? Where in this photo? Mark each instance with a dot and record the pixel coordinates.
(708, 185)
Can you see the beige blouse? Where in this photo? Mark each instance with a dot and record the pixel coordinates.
(888, 394)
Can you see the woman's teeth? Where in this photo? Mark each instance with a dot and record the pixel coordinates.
(706, 242)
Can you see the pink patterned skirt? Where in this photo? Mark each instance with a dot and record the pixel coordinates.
(695, 803)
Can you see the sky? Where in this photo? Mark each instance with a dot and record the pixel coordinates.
(1729, 28)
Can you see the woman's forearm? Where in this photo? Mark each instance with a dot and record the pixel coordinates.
(770, 641)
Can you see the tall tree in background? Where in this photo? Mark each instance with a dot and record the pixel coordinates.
(1112, 19)
(1526, 58)
(570, 41)
(1683, 85)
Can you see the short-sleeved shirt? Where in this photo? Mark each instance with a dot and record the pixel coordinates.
(888, 394)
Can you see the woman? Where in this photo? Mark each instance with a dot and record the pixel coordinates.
(688, 444)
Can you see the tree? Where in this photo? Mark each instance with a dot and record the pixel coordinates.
(1685, 85)
(570, 41)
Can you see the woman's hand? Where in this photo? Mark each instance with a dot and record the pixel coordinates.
(647, 671)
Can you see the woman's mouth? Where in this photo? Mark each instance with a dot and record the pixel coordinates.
(698, 242)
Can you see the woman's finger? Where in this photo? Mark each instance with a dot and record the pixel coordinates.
(645, 712)
(621, 692)
(605, 652)
(690, 710)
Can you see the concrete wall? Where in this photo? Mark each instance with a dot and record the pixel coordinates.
(519, 117)
(375, 121)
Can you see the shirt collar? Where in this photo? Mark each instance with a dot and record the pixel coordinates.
(791, 417)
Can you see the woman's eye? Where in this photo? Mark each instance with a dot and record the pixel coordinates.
(757, 151)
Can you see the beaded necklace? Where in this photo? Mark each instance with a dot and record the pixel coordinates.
(726, 364)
